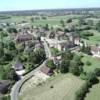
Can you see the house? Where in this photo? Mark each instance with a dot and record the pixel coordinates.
(4, 85)
(61, 45)
(46, 70)
(54, 35)
(19, 68)
(95, 50)
(74, 38)
(38, 46)
(24, 38)
(51, 35)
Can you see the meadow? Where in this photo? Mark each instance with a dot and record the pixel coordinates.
(95, 63)
(64, 88)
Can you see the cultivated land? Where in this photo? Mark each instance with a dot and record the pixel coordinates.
(94, 93)
(95, 63)
(64, 88)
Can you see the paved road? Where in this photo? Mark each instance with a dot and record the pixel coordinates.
(47, 50)
(16, 88)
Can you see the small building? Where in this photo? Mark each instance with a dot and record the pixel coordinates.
(19, 68)
(38, 46)
(4, 86)
(95, 50)
(46, 70)
(24, 38)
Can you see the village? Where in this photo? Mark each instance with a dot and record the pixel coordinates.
(32, 56)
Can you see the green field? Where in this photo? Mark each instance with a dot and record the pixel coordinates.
(94, 61)
(56, 20)
(94, 93)
(94, 39)
(14, 19)
(64, 88)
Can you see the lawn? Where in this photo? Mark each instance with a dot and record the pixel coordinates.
(64, 88)
(95, 63)
(94, 93)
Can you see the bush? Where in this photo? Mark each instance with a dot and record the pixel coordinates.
(69, 20)
(97, 71)
(91, 78)
(85, 35)
(50, 64)
(88, 63)
(83, 76)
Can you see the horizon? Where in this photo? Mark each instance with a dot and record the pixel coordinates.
(20, 5)
(51, 9)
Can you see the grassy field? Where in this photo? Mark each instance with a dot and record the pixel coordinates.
(56, 20)
(64, 88)
(14, 19)
(50, 20)
(94, 39)
(94, 61)
(94, 93)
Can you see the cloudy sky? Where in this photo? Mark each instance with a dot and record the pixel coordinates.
(9, 5)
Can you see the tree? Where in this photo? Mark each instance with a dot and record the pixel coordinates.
(54, 51)
(97, 71)
(4, 34)
(90, 22)
(2, 72)
(98, 26)
(32, 19)
(50, 64)
(75, 68)
(37, 56)
(69, 20)
(62, 23)
(44, 17)
(80, 94)
(1, 29)
(78, 60)
(12, 75)
(91, 78)
(11, 30)
(46, 27)
(88, 63)
(64, 67)
(86, 49)
(67, 55)
(82, 21)
(29, 66)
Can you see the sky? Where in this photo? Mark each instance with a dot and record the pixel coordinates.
(10, 5)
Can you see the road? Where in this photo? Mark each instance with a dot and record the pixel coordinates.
(47, 50)
(16, 88)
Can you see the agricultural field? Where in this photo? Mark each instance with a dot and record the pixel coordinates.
(95, 63)
(60, 87)
(55, 20)
(13, 19)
